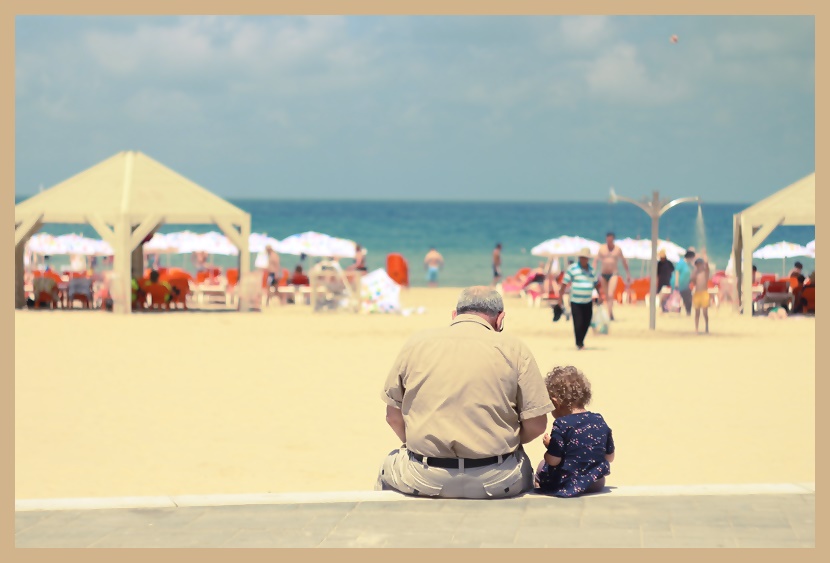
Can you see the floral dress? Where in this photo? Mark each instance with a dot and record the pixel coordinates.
(581, 440)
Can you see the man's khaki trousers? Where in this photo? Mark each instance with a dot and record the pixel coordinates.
(403, 473)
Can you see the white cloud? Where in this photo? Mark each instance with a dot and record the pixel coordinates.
(586, 32)
(619, 75)
(151, 105)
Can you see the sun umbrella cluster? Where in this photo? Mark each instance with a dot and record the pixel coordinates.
(640, 249)
(184, 242)
(317, 244)
(49, 245)
(564, 246)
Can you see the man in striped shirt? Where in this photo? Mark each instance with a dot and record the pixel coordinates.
(581, 280)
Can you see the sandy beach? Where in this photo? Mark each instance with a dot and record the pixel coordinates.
(288, 401)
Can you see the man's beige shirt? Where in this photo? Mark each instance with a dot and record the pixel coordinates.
(463, 390)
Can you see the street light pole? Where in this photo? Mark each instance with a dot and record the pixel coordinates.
(654, 209)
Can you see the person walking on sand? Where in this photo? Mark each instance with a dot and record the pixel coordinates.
(701, 297)
(581, 280)
(463, 399)
(682, 279)
(433, 262)
(664, 273)
(497, 264)
(608, 256)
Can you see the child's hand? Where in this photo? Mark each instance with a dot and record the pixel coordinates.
(546, 440)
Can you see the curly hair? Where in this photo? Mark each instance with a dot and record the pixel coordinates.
(569, 386)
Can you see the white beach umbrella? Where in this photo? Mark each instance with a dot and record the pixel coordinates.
(782, 250)
(183, 241)
(564, 246)
(160, 244)
(640, 249)
(258, 241)
(46, 245)
(217, 243)
(811, 248)
(77, 244)
(316, 244)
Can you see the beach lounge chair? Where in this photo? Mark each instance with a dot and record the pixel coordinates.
(808, 299)
(776, 293)
(639, 290)
(512, 285)
(158, 295)
(79, 289)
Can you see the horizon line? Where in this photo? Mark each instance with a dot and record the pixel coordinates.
(387, 200)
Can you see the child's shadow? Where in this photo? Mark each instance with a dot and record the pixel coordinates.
(604, 491)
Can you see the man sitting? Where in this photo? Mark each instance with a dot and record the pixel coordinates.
(463, 399)
(160, 292)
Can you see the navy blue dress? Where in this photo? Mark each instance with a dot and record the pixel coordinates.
(581, 440)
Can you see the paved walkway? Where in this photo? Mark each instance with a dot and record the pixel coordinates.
(604, 520)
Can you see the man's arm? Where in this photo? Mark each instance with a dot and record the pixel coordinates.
(532, 428)
(625, 265)
(394, 417)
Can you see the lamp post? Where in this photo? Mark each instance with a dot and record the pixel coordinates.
(655, 209)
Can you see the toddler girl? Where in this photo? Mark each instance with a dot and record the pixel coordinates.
(580, 447)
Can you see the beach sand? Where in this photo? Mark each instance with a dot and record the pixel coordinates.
(288, 401)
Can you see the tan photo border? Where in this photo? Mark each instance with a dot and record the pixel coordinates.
(9, 9)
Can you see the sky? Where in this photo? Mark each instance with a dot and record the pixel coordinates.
(516, 108)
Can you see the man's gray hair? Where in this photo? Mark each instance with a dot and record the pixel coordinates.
(480, 299)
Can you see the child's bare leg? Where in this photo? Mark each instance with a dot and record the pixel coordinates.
(706, 319)
(596, 486)
(536, 475)
(697, 320)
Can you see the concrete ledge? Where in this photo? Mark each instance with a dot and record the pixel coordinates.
(100, 503)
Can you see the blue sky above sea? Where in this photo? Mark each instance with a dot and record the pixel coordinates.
(424, 108)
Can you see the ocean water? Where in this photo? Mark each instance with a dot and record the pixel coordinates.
(465, 233)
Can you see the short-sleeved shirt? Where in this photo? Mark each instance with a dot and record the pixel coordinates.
(684, 274)
(464, 390)
(582, 282)
(581, 440)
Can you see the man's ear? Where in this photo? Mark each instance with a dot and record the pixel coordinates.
(454, 313)
(500, 322)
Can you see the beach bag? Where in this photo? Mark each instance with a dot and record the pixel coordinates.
(674, 302)
(601, 319)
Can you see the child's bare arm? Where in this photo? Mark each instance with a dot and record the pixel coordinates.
(552, 460)
(609, 457)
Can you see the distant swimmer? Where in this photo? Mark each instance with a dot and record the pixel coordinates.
(497, 264)
(433, 262)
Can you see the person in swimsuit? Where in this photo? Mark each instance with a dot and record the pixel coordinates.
(701, 296)
(497, 264)
(433, 262)
(608, 256)
(359, 259)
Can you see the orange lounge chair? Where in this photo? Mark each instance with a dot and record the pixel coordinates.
(777, 292)
(808, 299)
(158, 295)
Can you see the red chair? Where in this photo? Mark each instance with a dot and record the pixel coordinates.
(46, 297)
(808, 297)
(232, 274)
(639, 289)
(208, 276)
(158, 295)
(766, 278)
(619, 289)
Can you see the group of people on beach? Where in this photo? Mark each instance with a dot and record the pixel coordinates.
(463, 400)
